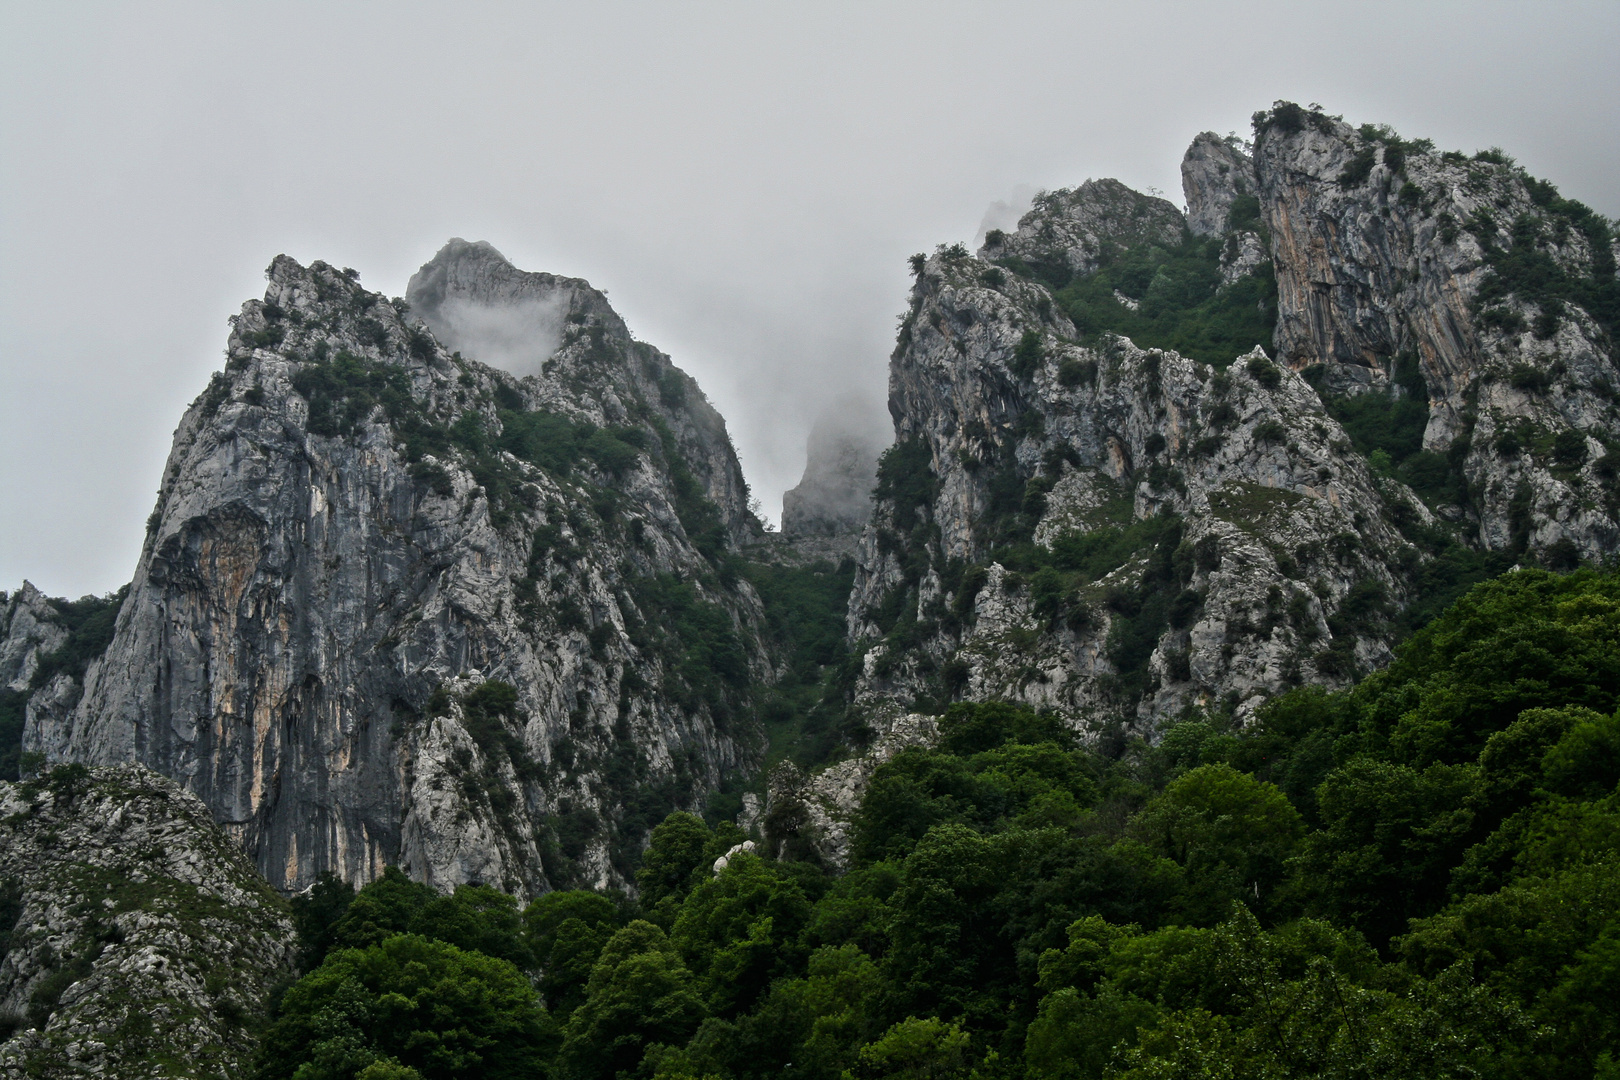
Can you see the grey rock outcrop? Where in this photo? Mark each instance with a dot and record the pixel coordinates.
(1384, 249)
(1072, 231)
(29, 629)
(146, 944)
(1280, 531)
(1288, 555)
(357, 529)
(817, 811)
(1214, 172)
(834, 497)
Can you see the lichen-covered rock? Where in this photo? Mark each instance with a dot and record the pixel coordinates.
(1385, 249)
(145, 945)
(1070, 231)
(358, 528)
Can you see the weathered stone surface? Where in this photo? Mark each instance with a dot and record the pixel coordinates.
(1214, 172)
(340, 534)
(29, 629)
(1071, 230)
(818, 810)
(1264, 481)
(1380, 250)
(146, 946)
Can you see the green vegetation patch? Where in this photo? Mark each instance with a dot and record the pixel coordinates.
(803, 713)
(1180, 301)
(1249, 505)
(1419, 876)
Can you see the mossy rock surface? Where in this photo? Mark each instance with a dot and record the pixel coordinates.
(144, 943)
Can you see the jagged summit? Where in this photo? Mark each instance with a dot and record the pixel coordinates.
(398, 606)
(1102, 500)
(477, 303)
(1215, 172)
(1071, 231)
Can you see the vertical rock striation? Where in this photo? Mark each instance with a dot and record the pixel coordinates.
(399, 606)
(1498, 294)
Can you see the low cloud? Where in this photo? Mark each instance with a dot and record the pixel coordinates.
(514, 336)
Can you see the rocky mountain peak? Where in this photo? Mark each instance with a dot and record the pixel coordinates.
(400, 606)
(477, 303)
(1069, 231)
(1214, 172)
(29, 629)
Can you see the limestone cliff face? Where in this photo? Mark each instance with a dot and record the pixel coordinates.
(1214, 173)
(145, 943)
(1287, 555)
(1279, 534)
(1385, 249)
(29, 630)
(358, 529)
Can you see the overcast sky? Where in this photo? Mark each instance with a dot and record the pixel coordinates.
(745, 180)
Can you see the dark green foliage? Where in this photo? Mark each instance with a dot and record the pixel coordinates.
(1419, 876)
(1264, 372)
(489, 713)
(905, 476)
(640, 994)
(414, 1002)
(805, 609)
(1183, 305)
(90, 622)
(704, 659)
(315, 915)
(1359, 168)
(1027, 355)
(566, 933)
(1073, 372)
(13, 713)
(11, 906)
(1525, 268)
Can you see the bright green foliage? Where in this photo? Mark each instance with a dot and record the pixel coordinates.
(424, 1004)
(914, 1049)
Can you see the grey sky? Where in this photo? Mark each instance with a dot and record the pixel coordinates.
(746, 180)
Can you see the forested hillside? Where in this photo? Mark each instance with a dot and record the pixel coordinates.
(1418, 876)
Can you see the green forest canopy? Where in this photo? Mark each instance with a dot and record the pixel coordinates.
(1416, 877)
